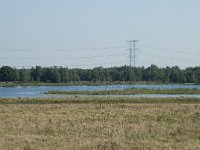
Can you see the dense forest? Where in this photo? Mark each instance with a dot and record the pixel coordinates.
(99, 74)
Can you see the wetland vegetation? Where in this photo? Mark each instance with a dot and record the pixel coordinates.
(100, 123)
(131, 91)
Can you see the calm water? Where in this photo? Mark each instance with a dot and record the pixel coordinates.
(36, 91)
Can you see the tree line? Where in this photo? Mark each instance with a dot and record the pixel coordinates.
(99, 74)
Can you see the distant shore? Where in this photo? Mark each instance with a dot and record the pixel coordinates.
(14, 84)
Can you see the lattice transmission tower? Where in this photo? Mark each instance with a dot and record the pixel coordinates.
(132, 52)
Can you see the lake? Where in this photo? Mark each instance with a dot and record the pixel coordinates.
(36, 91)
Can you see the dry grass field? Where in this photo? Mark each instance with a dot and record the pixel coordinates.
(103, 126)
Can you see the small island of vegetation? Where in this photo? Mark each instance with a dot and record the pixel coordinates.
(131, 91)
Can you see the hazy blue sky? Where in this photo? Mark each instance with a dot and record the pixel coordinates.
(82, 33)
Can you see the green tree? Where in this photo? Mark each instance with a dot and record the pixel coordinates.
(36, 73)
(24, 75)
(191, 75)
(7, 74)
(64, 75)
(152, 73)
(74, 76)
(51, 75)
(177, 75)
(94, 75)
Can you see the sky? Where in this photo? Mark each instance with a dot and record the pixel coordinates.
(92, 33)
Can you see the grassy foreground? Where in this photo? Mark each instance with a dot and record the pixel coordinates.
(100, 123)
(129, 92)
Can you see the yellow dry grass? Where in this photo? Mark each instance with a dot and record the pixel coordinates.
(99, 126)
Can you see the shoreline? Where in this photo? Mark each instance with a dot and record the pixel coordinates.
(15, 84)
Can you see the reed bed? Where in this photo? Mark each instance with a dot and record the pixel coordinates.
(131, 91)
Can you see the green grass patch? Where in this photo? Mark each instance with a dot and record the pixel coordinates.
(131, 91)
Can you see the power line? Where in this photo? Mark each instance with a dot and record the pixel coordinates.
(78, 65)
(172, 50)
(132, 54)
(100, 64)
(84, 57)
(169, 57)
(68, 49)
